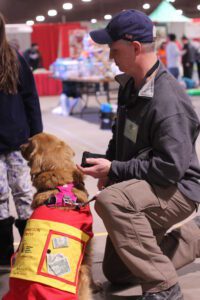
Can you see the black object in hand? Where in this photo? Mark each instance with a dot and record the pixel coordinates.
(86, 155)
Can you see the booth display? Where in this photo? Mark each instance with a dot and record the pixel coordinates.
(93, 61)
(84, 74)
(46, 85)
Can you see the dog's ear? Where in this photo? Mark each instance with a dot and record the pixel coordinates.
(66, 149)
(25, 150)
(31, 152)
(60, 157)
(77, 177)
(29, 149)
(36, 163)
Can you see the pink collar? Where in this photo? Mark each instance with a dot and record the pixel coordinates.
(63, 197)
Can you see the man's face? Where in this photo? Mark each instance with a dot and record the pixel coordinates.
(35, 48)
(123, 53)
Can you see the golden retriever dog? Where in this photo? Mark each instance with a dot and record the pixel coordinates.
(51, 164)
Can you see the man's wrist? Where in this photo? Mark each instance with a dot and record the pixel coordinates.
(111, 173)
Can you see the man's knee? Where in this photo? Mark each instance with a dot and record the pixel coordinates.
(102, 201)
(108, 199)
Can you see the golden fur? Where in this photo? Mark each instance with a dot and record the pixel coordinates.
(51, 163)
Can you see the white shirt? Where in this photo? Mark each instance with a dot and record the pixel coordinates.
(173, 55)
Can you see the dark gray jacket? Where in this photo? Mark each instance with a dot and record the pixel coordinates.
(154, 135)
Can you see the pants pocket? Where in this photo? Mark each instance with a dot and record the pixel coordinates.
(140, 194)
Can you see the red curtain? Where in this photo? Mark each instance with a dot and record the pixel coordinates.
(46, 36)
(53, 40)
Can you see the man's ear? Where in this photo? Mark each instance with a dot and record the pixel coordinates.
(137, 47)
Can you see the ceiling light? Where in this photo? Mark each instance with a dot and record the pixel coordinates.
(30, 22)
(40, 18)
(146, 6)
(86, 0)
(198, 7)
(171, 1)
(107, 17)
(93, 21)
(67, 5)
(179, 11)
(52, 12)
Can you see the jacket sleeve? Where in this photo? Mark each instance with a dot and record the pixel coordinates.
(30, 98)
(111, 150)
(172, 147)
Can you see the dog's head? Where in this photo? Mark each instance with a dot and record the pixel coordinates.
(51, 164)
(45, 152)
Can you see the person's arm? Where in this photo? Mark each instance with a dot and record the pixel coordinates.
(177, 51)
(30, 98)
(172, 146)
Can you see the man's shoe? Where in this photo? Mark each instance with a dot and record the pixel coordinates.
(173, 293)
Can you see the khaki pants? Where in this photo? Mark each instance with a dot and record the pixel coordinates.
(137, 217)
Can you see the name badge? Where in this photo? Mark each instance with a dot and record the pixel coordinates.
(131, 130)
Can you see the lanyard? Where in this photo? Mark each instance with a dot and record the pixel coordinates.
(127, 98)
(149, 73)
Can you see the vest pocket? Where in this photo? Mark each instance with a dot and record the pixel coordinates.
(60, 261)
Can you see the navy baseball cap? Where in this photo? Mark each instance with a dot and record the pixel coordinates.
(130, 25)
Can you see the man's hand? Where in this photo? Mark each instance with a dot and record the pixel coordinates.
(100, 168)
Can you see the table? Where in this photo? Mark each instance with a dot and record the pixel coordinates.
(88, 84)
(47, 85)
(87, 87)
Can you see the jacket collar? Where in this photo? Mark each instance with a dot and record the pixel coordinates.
(147, 89)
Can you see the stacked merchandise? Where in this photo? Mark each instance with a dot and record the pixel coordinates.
(93, 62)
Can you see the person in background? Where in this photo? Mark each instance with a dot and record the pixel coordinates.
(20, 118)
(173, 55)
(149, 180)
(188, 57)
(162, 53)
(33, 57)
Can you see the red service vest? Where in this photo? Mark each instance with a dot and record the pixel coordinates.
(47, 263)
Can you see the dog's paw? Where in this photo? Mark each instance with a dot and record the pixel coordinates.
(96, 287)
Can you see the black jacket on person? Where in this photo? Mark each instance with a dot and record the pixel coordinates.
(154, 135)
(190, 54)
(20, 114)
(33, 58)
